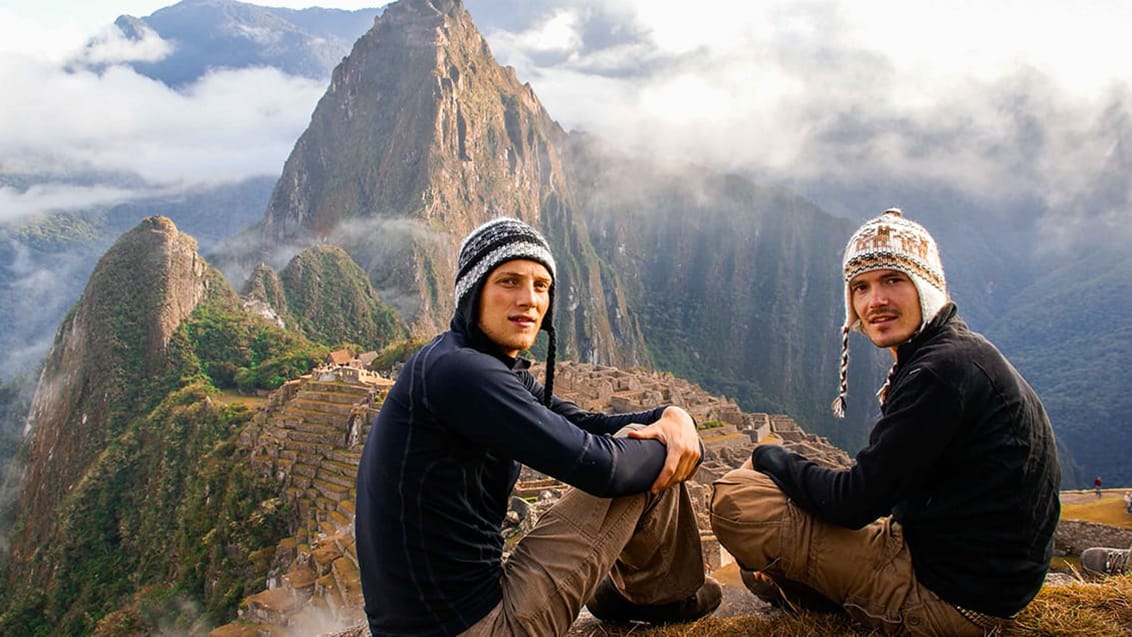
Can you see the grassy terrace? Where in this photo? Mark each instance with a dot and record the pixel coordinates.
(233, 397)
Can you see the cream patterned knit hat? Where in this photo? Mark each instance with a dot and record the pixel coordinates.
(890, 242)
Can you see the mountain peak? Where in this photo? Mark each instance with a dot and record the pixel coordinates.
(107, 351)
(179, 44)
(421, 137)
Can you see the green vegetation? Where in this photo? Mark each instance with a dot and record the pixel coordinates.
(55, 231)
(167, 518)
(15, 401)
(1076, 370)
(330, 299)
(166, 504)
(236, 350)
(734, 286)
(170, 508)
(397, 352)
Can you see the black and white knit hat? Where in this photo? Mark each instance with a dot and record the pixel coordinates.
(890, 242)
(498, 241)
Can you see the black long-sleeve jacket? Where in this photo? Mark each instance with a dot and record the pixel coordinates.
(963, 457)
(437, 470)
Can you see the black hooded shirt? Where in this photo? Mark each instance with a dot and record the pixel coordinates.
(437, 471)
(963, 457)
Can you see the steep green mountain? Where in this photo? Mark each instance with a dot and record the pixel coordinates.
(735, 286)
(330, 300)
(48, 258)
(134, 492)
(15, 401)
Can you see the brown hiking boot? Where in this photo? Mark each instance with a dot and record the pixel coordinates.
(763, 587)
(1105, 561)
(609, 605)
(787, 595)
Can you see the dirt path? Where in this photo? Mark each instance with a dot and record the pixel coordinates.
(1082, 496)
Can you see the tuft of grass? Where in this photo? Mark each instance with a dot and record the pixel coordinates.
(233, 397)
(1077, 609)
(774, 624)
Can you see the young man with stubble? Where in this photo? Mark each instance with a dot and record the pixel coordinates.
(944, 524)
(444, 452)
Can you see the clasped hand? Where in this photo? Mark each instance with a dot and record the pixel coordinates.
(677, 431)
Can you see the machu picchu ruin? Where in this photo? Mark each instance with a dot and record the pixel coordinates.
(309, 436)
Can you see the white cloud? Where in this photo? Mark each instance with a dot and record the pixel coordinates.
(967, 95)
(228, 126)
(111, 46)
(15, 203)
(37, 40)
(963, 93)
(559, 33)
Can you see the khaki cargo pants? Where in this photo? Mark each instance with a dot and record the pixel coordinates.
(649, 544)
(868, 571)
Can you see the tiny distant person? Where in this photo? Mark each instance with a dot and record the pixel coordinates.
(1128, 501)
(444, 452)
(1097, 482)
(944, 524)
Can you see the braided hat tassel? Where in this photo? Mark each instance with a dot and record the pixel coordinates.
(838, 405)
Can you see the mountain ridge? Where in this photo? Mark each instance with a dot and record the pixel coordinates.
(209, 35)
(129, 463)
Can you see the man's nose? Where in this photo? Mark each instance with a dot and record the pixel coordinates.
(526, 295)
(877, 297)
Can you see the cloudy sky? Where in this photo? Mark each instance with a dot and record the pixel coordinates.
(994, 98)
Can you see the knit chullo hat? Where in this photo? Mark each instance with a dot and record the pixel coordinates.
(890, 242)
(496, 242)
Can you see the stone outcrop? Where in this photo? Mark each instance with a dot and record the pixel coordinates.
(1074, 536)
(114, 340)
(727, 431)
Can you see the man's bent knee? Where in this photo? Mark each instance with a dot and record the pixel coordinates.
(747, 516)
(745, 495)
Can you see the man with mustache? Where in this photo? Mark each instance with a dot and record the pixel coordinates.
(944, 524)
(439, 463)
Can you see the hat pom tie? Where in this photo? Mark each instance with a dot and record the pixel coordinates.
(838, 407)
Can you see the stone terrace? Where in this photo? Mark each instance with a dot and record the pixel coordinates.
(309, 437)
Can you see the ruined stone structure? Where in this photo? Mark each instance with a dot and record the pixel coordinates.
(309, 438)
